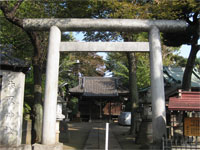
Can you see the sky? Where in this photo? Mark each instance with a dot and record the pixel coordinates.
(184, 50)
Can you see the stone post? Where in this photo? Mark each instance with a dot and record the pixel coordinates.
(157, 86)
(51, 87)
(11, 108)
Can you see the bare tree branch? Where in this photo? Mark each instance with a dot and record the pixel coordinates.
(17, 5)
(10, 13)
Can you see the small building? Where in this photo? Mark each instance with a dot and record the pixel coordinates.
(183, 108)
(99, 97)
(184, 116)
(178, 101)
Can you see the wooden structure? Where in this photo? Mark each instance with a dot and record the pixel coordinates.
(99, 96)
(185, 116)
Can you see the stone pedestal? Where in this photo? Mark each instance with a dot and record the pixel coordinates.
(57, 146)
(11, 108)
(21, 147)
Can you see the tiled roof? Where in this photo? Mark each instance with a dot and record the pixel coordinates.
(8, 62)
(187, 101)
(175, 75)
(98, 86)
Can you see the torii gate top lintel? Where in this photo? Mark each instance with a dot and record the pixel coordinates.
(75, 24)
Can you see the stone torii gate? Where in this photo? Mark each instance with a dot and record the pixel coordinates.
(153, 27)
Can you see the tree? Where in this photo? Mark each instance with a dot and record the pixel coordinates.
(187, 10)
(179, 61)
(73, 65)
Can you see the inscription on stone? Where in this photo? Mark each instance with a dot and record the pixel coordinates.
(11, 84)
(11, 108)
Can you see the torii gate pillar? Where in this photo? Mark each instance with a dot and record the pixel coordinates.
(157, 86)
(51, 87)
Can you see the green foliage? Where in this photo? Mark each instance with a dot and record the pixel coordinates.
(168, 54)
(68, 71)
(73, 105)
(143, 71)
(117, 63)
(14, 40)
(179, 61)
(177, 10)
(26, 111)
(121, 71)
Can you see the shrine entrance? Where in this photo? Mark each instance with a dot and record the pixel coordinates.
(153, 27)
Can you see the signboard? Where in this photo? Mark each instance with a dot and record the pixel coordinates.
(192, 126)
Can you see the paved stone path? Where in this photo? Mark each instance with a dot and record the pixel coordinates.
(96, 138)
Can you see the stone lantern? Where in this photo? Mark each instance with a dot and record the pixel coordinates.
(145, 130)
(59, 116)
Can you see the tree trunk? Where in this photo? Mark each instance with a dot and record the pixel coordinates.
(37, 108)
(38, 62)
(133, 90)
(186, 84)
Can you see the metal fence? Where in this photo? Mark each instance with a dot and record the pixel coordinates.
(183, 143)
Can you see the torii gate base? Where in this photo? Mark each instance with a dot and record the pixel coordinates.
(57, 146)
(55, 46)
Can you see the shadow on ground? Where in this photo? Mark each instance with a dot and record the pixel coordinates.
(77, 135)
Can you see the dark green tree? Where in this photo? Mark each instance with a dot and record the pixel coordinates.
(188, 10)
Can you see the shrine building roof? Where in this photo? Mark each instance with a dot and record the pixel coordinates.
(99, 86)
(185, 101)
